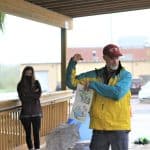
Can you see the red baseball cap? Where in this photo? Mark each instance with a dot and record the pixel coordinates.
(112, 50)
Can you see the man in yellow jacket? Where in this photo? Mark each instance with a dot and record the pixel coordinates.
(110, 109)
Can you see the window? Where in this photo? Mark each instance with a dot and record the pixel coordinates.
(42, 76)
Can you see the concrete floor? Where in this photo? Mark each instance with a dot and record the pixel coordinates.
(140, 123)
(140, 126)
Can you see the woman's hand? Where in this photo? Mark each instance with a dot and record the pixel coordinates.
(36, 90)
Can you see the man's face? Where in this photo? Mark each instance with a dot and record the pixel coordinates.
(111, 62)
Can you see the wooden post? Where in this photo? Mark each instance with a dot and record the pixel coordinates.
(63, 58)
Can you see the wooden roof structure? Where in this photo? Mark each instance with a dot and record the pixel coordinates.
(80, 8)
(60, 13)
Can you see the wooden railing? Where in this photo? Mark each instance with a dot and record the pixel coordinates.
(55, 108)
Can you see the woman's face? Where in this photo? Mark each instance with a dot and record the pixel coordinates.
(28, 73)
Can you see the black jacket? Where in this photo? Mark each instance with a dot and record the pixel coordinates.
(30, 99)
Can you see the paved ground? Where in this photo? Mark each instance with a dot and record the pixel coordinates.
(140, 126)
(140, 122)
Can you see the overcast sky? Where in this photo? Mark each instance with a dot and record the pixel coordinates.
(28, 41)
(102, 29)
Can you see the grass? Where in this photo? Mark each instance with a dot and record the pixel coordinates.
(7, 90)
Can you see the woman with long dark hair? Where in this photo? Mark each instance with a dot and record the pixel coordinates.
(29, 92)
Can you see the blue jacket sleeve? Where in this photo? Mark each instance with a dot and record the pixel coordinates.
(70, 68)
(72, 79)
(117, 91)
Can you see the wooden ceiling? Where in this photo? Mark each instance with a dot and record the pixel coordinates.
(60, 13)
(80, 8)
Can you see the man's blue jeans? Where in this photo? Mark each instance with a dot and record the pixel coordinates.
(102, 140)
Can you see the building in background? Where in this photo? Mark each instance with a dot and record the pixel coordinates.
(136, 60)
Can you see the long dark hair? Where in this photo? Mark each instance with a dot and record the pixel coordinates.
(23, 80)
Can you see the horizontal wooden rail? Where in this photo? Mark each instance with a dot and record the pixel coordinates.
(55, 108)
(9, 108)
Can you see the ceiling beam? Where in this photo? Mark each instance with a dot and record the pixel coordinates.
(28, 10)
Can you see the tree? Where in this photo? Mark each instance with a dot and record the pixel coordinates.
(2, 17)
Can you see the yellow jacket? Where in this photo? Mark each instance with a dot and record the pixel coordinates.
(110, 109)
(107, 114)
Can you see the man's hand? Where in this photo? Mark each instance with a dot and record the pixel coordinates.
(86, 86)
(77, 57)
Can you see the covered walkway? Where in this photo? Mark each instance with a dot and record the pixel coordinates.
(59, 14)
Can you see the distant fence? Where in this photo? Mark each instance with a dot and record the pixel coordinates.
(55, 108)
